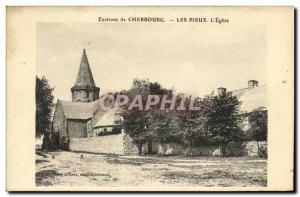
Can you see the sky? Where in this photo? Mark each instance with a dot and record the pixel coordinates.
(190, 58)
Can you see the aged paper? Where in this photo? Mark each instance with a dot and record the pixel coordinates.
(90, 91)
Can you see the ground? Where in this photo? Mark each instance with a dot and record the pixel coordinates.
(82, 169)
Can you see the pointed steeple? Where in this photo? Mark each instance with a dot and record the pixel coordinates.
(84, 76)
(84, 89)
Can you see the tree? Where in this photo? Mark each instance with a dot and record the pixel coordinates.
(135, 125)
(258, 119)
(216, 122)
(144, 125)
(193, 124)
(164, 126)
(135, 121)
(44, 106)
(223, 121)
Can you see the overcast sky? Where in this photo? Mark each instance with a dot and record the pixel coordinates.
(191, 58)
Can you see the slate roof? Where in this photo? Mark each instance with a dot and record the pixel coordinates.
(251, 98)
(88, 110)
(79, 110)
(84, 76)
(105, 118)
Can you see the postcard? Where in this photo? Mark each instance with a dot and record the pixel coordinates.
(150, 98)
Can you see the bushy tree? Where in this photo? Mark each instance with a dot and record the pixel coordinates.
(44, 106)
(162, 123)
(258, 119)
(140, 125)
(215, 122)
(135, 123)
(223, 121)
(164, 126)
(192, 125)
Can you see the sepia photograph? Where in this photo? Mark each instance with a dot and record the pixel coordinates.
(79, 142)
(141, 101)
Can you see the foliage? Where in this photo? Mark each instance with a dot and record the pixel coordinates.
(192, 126)
(44, 105)
(147, 125)
(223, 120)
(164, 126)
(258, 123)
(258, 119)
(216, 121)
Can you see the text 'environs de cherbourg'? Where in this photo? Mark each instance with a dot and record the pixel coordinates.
(218, 20)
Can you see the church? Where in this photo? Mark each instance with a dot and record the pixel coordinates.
(82, 117)
(81, 125)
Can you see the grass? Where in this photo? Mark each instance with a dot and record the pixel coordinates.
(123, 161)
(148, 170)
(215, 175)
(42, 177)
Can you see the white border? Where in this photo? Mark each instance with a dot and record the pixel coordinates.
(5, 3)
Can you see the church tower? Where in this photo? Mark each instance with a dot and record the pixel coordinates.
(84, 89)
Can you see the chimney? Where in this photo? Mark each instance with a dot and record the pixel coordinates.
(221, 91)
(252, 83)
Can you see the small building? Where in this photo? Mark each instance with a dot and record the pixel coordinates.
(251, 98)
(81, 124)
(73, 119)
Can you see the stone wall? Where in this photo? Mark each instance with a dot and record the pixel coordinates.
(110, 144)
(251, 148)
(58, 122)
(233, 149)
(205, 151)
(129, 147)
(80, 95)
(85, 94)
(170, 149)
(177, 149)
(98, 130)
(236, 149)
(77, 128)
(248, 148)
(120, 144)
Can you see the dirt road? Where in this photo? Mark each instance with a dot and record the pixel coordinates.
(70, 169)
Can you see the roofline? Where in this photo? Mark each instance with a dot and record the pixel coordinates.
(78, 118)
(102, 126)
(247, 88)
(246, 113)
(87, 87)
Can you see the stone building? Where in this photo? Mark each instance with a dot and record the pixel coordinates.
(85, 89)
(76, 122)
(81, 124)
(251, 97)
